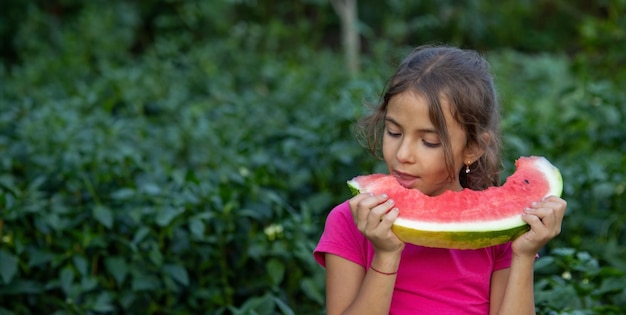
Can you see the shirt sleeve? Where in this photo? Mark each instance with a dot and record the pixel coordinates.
(341, 237)
(502, 256)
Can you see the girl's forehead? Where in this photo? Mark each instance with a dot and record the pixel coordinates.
(409, 110)
(410, 101)
(412, 110)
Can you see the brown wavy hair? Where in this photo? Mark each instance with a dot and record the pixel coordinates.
(461, 77)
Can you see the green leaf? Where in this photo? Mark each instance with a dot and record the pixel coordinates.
(155, 256)
(276, 270)
(118, 268)
(103, 215)
(144, 282)
(4, 311)
(611, 285)
(285, 309)
(257, 305)
(140, 234)
(546, 265)
(39, 257)
(166, 215)
(103, 303)
(19, 286)
(197, 228)
(312, 290)
(123, 194)
(8, 266)
(81, 264)
(151, 189)
(178, 273)
(88, 283)
(66, 279)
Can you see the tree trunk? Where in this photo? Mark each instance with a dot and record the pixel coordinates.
(348, 14)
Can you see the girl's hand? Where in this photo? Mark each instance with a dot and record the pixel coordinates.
(374, 215)
(545, 218)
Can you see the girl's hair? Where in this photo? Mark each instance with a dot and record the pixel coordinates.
(463, 79)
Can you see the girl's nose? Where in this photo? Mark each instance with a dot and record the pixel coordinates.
(405, 152)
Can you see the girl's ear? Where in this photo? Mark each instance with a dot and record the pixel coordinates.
(474, 150)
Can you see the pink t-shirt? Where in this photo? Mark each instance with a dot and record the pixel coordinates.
(430, 280)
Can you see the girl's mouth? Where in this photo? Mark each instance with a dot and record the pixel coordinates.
(405, 180)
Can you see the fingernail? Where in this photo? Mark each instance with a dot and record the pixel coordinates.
(384, 196)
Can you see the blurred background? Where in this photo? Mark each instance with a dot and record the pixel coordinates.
(180, 157)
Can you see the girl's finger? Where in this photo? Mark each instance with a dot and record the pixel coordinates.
(388, 218)
(377, 213)
(361, 206)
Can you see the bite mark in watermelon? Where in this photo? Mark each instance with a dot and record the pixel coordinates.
(467, 219)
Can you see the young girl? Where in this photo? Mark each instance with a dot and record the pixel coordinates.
(437, 127)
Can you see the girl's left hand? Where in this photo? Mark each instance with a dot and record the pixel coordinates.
(545, 218)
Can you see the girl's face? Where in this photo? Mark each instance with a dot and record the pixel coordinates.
(412, 149)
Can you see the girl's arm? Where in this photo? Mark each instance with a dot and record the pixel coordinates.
(351, 289)
(512, 289)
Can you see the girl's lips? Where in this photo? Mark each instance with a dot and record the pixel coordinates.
(405, 180)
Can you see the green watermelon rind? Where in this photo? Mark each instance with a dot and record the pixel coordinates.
(354, 187)
(460, 239)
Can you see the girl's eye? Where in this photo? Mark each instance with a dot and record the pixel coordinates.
(393, 134)
(431, 144)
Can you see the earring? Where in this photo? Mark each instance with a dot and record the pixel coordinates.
(467, 168)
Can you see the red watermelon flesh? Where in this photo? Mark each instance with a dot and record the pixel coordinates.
(467, 219)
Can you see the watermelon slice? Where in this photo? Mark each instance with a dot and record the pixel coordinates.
(467, 219)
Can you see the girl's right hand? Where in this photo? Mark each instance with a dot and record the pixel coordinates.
(374, 216)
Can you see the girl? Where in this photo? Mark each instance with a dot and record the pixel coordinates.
(437, 127)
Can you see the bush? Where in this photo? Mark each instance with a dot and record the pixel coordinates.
(574, 282)
(549, 111)
(171, 183)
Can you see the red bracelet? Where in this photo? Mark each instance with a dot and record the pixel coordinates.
(382, 272)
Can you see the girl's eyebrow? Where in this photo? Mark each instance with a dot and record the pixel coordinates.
(421, 130)
(391, 120)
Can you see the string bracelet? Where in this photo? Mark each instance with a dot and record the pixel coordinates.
(382, 272)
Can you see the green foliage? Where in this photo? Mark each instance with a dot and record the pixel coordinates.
(573, 282)
(578, 125)
(171, 182)
(178, 157)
